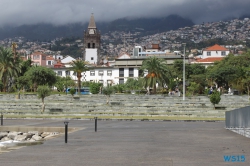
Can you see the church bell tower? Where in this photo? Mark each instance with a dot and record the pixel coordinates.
(92, 42)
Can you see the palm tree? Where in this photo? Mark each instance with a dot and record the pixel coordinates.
(9, 68)
(78, 67)
(157, 72)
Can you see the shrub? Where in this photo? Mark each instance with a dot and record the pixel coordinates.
(107, 91)
(42, 92)
(215, 98)
(95, 87)
(72, 91)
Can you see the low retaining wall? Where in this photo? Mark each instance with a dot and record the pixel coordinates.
(39, 129)
(238, 118)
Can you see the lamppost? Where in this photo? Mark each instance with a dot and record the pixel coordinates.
(66, 85)
(66, 131)
(184, 44)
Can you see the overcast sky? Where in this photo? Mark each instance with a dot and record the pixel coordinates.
(58, 12)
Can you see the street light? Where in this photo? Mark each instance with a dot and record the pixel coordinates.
(184, 44)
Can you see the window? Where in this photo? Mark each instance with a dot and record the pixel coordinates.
(93, 45)
(121, 81)
(208, 53)
(223, 53)
(101, 81)
(100, 73)
(67, 73)
(49, 62)
(59, 73)
(36, 57)
(131, 72)
(121, 72)
(92, 73)
(109, 72)
(92, 58)
(43, 57)
(88, 45)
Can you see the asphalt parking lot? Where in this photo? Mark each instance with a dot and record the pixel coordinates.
(132, 143)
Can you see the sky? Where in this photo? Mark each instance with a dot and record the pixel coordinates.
(60, 12)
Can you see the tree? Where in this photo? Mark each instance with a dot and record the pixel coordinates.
(194, 87)
(107, 91)
(215, 98)
(132, 84)
(94, 87)
(229, 71)
(40, 75)
(26, 65)
(59, 84)
(23, 82)
(72, 91)
(157, 72)
(43, 91)
(78, 67)
(9, 68)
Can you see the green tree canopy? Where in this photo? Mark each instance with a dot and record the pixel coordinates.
(157, 72)
(42, 92)
(9, 68)
(40, 75)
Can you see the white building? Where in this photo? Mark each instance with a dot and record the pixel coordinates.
(215, 51)
(211, 54)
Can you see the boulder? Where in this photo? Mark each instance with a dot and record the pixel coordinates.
(37, 137)
(13, 134)
(3, 134)
(5, 139)
(28, 135)
(35, 132)
(45, 134)
(20, 138)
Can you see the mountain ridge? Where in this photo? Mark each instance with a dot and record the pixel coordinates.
(45, 31)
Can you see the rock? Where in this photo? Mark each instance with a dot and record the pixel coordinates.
(37, 137)
(20, 138)
(5, 139)
(3, 134)
(13, 134)
(35, 132)
(28, 135)
(45, 134)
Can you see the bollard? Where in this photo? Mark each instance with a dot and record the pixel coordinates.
(66, 131)
(1, 119)
(95, 124)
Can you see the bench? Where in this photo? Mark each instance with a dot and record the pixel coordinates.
(115, 103)
(76, 97)
(220, 107)
(52, 110)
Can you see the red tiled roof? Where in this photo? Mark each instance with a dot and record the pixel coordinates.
(209, 60)
(58, 65)
(216, 47)
(49, 58)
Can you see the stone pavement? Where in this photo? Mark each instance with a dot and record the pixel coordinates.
(131, 143)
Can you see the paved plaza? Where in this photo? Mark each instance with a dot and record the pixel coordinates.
(131, 143)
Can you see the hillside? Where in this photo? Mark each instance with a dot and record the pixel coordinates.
(47, 31)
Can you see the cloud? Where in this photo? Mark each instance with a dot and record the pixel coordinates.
(59, 12)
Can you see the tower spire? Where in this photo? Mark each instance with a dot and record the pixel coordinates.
(92, 22)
